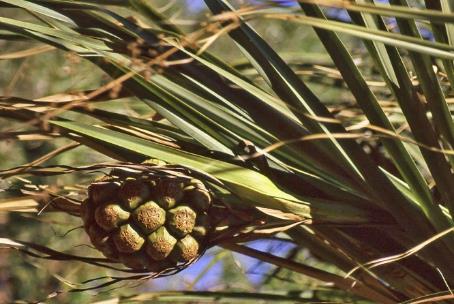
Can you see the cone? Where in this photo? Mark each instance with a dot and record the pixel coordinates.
(149, 221)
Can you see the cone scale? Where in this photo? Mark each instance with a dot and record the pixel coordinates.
(149, 221)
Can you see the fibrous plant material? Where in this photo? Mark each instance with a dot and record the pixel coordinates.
(149, 221)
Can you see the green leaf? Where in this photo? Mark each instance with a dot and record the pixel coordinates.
(388, 10)
(39, 9)
(299, 99)
(435, 49)
(249, 185)
(369, 104)
(79, 43)
(286, 128)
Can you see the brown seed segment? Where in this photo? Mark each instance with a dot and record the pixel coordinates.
(149, 217)
(181, 220)
(133, 192)
(110, 216)
(199, 198)
(201, 227)
(158, 266)
(102, 191)
(160, 244)
(137, 261)
(186, 249)
(97, 235)
(101, 240)
(169, 193)
(109, 250)
(199, 232)
(197, 184)
(127, 239)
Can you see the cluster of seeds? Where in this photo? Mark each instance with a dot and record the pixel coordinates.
(148, 223)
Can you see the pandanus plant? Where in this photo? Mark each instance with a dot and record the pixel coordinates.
(364, 182)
